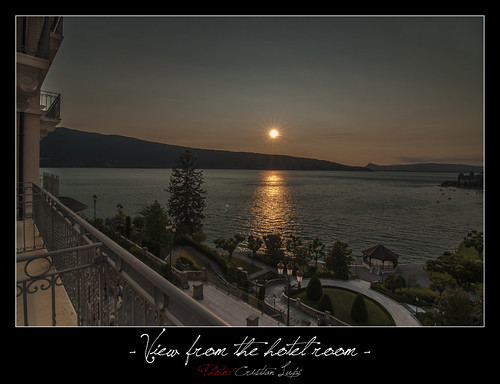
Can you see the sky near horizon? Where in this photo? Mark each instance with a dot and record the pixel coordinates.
(353, 90)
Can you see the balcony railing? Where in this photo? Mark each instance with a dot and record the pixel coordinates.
(105, 284)
(34, 33)
(50, 103)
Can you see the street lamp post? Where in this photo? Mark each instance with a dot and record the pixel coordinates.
(95, 204)
(171, 227)
(288, 284)
(120, 220)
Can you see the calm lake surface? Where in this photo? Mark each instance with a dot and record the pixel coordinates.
(407, 212)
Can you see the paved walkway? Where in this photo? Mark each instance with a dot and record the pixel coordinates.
(222, 304)
(235, 312)
(401, 315)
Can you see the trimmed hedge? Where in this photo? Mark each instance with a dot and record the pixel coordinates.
(358, 309)
(325, 304)
(314, 289)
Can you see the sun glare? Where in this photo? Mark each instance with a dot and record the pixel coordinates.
(273, 133)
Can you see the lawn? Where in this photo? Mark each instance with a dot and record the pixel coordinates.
(342, 300)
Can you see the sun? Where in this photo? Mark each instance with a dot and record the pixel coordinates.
(273, 133)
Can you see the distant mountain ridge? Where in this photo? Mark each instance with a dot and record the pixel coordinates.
(427, 167)
(71, 148)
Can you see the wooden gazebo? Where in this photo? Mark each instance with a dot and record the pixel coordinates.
(378, 255)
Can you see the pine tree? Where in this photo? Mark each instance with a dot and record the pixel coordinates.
(338, 260)
(155, 222)
(187, 197)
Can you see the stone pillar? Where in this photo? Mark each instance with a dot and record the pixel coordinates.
(252, 320)
(184, 280)
(31, 148)
(198, 292)
(328, 317)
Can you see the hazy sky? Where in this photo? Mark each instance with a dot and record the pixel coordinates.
(347, 89)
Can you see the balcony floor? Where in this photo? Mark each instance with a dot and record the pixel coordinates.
(39, 303)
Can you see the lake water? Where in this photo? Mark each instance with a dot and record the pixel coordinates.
(408, 212)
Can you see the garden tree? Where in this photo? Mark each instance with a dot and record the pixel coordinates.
(229, 244)
(316, 250)
(296, 250)
(325, 304)
(475, 239)
(314, 289)
(199, 237)
(464, 270)
(359, 312)
(468, 272)
(155, 220)
(394, 281)
(138, 222)
(254, 244)
(454, 308)
(338, 260)
(274, 247)
(440, 283)
(187, 197)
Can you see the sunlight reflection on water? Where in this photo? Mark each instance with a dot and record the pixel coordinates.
(406, 211)
(271, 206)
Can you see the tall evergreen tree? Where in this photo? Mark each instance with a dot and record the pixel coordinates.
(155, 222)
(187, 197)
(338, 260)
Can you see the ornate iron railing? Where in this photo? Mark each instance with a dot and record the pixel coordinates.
(105, 284)
(51, 104)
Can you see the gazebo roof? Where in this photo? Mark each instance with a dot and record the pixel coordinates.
(380, 252)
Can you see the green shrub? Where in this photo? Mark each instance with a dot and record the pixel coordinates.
(394, 281)
(314, 289)
(358, 310)
(325, 304)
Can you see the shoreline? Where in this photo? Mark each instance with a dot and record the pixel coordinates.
(358, 267)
